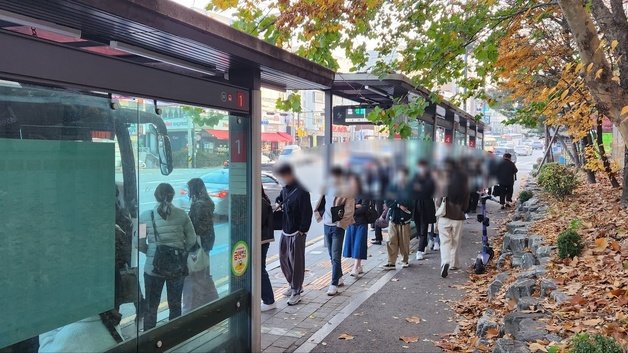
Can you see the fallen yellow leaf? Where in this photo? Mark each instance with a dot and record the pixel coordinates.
(345, 336)
(492, 332)
(601, 244)
(535, 347)
(409, 339)
(413, 319)
(592, 322)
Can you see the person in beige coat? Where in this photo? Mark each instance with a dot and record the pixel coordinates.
(335, 208)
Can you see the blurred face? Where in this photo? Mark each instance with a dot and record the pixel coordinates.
(286, 178)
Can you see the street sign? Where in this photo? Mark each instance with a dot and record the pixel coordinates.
(352, 114)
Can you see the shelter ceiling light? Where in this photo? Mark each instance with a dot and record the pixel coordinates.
(39, 24)
(131, 49)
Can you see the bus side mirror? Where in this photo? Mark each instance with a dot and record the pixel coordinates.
(165, 155)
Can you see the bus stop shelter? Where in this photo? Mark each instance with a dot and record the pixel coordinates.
(104, 68)
(441, 122)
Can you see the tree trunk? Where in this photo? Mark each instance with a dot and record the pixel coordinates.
(624, 195)
(602, 152)
(587, 141)
(575, 160)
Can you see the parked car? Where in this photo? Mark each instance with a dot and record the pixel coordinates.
(537, 145)
(217, 184)
(500, 151)
(523, 150)
(289, 151)
(266, 160)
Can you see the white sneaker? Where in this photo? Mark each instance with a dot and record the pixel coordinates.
(267, 307)
(419, 255)
(288, 292)
(466, 216)
(354, 273)
(405, 265)
(360, 270)
(294, 299)
(332, 290)
(436, 246)
(341, 282)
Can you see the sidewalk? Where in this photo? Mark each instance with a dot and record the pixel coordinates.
(373, 309)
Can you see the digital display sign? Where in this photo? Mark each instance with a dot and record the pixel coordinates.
(352, 114)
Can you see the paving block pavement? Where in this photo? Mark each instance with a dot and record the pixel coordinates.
(372, 308)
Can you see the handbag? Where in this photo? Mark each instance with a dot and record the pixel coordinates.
(382, 221)
(371, 213)
(169, 262)
(337, 212)
(442, 209)
(129, 285)
(278, 212)
(198, 259)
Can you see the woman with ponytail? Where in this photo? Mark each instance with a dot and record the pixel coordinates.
(168, 230)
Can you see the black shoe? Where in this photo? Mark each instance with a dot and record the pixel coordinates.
(376, 242)
(443, 270)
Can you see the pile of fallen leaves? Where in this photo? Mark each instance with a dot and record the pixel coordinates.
(597, 281)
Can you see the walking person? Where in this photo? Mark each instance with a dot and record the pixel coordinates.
(335, 208)
(170, 234)
(456, 198)
(267, 233)
(399, 217)
(506, 176)
(199, 288)
(357, 233)
(424, 209)
(294, 202)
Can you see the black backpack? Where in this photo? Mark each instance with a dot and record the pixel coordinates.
(371, 213)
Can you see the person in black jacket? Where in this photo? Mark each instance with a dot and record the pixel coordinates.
(295, 202)
(506, 176)
(424, 210)
(199, 287)
(400, 206)
(267, 233)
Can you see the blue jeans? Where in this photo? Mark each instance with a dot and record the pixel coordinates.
(334, 237)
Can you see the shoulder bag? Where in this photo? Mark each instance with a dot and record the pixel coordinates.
(442, 209)
(371, 213)
(198, 259)
(278, 212)
(169, 262)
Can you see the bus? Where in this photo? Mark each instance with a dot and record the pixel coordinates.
(490, 142)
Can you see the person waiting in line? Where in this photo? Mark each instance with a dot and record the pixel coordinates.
(399, 216)
(424, 210)
(455, 194)
(199, 288)
(357, 233)
(335, 208)
(267, 233)
(506, 176)
(294, 202)
(170, 235)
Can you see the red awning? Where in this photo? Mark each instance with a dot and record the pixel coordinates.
(219, 134)
(276, 137)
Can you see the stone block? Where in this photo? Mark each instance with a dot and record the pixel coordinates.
(528, 303)
(521, 288)
(515, 225)
(515, 243)
(486, 322)
(547, 287)
(536, 271)
(544, 251)
(559, 297)
(535, 242)
(506, 345)
(527, 260)
(501, 261)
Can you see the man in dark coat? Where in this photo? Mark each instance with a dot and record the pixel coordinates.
(506, 176)
(424, 210)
